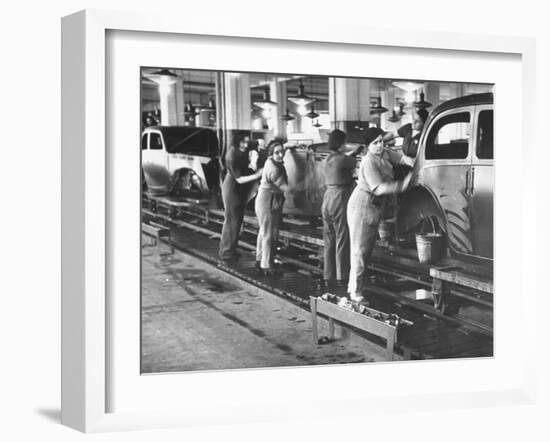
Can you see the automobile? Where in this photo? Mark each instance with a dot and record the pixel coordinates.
(453, 178)
(180, 160)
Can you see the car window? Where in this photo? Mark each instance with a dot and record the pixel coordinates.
(144, 142)
(449, 137)
(484, 149)
(155, 141)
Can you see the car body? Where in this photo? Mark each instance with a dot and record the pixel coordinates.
(304, 167)
(453, 177)
(179, 160)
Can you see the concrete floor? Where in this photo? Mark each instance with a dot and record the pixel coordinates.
(195, 317)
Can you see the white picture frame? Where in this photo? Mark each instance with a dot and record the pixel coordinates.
(86, 206)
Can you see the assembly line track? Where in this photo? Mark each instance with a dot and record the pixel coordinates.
(294, 264)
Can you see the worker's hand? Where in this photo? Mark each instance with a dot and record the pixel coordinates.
(405, 183)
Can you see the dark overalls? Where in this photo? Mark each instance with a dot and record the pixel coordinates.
(338, 174)
(234, 201)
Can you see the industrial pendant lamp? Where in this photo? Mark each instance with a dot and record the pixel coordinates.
(312, 114)
(163, 77)
(301, 99)
(422, 104)
(378, 109)
(287, 116)
(394, 117)
(317, 124)
(266, 102)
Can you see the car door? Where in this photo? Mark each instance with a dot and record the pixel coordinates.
(445, 171)
(481, 185)
(155, 165)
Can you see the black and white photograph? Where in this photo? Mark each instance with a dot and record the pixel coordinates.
(294, 220)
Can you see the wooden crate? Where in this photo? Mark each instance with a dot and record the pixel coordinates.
(354, 319)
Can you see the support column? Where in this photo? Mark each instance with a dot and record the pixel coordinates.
(278, 93)
(171, 103)
(349, 101)
(180, 103)
(388, 101)
(237, 101)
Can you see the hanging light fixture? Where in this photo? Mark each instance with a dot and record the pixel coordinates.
(317, 124)
(163, 77)
(394, 117)
(301, 99)
(378, 109)
(287, 116)
(312, 114)
(422, 104)
(265, 102)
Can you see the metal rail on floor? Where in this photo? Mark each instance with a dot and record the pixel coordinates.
(423, 308)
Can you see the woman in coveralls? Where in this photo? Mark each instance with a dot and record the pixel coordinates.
(234, 195)
(269, 206)
(338, 171)
(367, 203)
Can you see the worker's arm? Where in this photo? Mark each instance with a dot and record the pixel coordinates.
(236, 173)
(248, 178)
(376, 183)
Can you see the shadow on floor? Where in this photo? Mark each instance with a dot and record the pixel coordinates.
(51, 414)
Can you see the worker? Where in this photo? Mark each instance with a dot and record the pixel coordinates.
(338, 169)
(367, 203)
(234, 196)
(411, 132)
(269, 207)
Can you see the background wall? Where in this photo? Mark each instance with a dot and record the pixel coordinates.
(30, 220)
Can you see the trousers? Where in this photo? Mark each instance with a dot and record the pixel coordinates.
(336, 233)
(364, 215)
(234, 206)
(269, 210)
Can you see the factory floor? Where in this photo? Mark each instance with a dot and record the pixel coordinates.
(194, 317)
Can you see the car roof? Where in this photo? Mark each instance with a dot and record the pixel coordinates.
(468, 100)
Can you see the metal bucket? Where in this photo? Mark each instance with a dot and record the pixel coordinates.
(429, 247)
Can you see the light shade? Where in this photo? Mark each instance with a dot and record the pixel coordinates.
(394, 117)
(378, 109)
(301, 99)
(422, 104)
(312, 114)
(163, 77)
(265, 102)
(287, 116)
